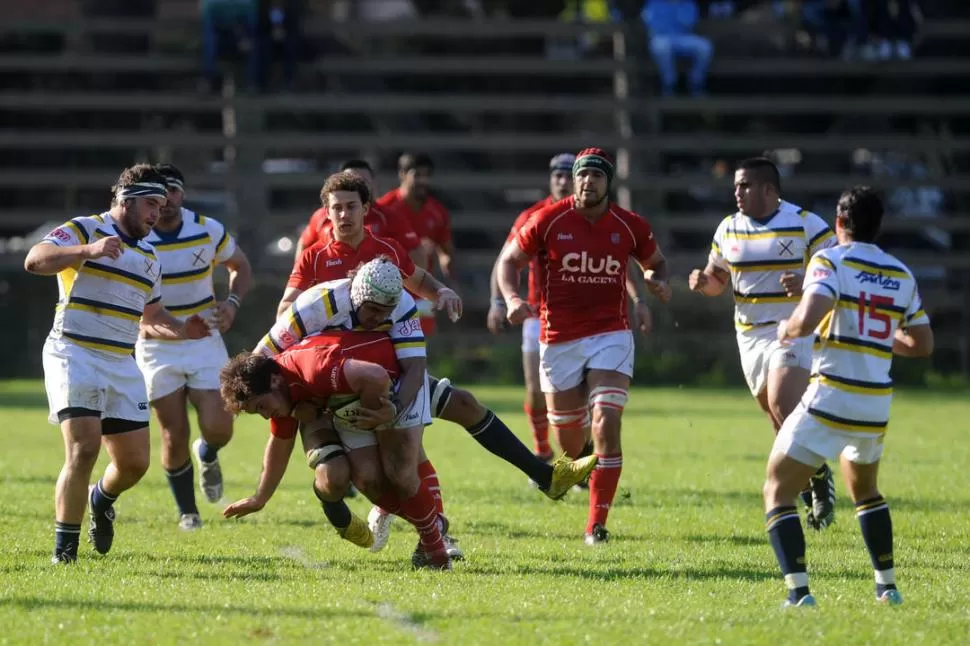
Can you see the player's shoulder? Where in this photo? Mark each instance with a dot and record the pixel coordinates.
(387, 246)
(436, 206)
(796, 212)
(550, 212)
(874, 257)
(388, 199)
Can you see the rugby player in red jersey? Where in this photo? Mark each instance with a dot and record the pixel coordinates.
(298, 381)
(428, 217)
(586, 346)
(378, 222)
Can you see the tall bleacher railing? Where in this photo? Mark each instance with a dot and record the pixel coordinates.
(493, 171)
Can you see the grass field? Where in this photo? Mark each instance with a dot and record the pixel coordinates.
(689, 562)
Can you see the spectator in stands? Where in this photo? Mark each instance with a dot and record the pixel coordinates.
(670, 25)
(283, 34)
(241, 18)
(894, 24)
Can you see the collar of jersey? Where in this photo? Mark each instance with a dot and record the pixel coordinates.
(768, 219)
(167, 236)
(128, 240)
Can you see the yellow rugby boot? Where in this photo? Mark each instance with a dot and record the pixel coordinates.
(566, 473)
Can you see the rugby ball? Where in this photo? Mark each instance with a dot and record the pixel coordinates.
(344, 408)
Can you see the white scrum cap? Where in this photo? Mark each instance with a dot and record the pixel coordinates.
(377, 281)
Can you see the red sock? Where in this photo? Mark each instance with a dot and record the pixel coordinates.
(389, 501)
(430, 477)
(419, 510)
(602, 488)
(539, 424)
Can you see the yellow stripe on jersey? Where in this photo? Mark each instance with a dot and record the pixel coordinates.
(917, 314)
(744, 327)
(187, 276)
(765, 298)
(329, 303)
(103, 309)
(79, 231)
(68, 277)
(116, 275)
(845, 424)
(95, 343)
(820, 238)
(222, 243)
(871, 267)
(783, 232)
(767, 265)
(855, 345)
(192, 308)
(716, 248)
(98, 233)
(825, 261)
(853, 385)
(407, 345)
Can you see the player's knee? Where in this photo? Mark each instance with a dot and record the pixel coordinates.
(134, 464)
(404, 480)
(84, 453)
(463, 409)
(331, 480)
(370, 482)
(217, 434)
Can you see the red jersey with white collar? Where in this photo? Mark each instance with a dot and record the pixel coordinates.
(332, 260)
(314, 370)
(584, 264)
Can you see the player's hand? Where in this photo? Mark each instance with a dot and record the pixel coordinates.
(195, 327)
(519, 311)
(244, 507)
(110, 247)
(697, 280)
(368, 418)
(659, 288)
(223, 316)
(644, 319)
(495, 321)
(449, 301)
(792, 283)
(782, 332)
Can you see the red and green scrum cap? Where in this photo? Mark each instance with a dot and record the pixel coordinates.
(595, 158)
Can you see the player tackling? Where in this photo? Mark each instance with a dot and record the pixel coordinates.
(586, 346)
(865, 307)
(109, 282)
(762, 251)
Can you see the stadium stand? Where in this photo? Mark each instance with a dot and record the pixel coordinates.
(490, 99)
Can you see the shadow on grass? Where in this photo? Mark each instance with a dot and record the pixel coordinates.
(316, 612)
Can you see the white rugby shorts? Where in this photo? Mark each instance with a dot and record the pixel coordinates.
(170, 365)
(417, 414)
(806, 439)
(530, 335)
(563, 365)
(761, 352)
(76, 377)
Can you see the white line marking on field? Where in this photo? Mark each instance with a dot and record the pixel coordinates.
(296, 554)
(403, 620)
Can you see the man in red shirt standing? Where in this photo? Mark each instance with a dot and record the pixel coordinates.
(377, 221)
(586, 347)
(427, 216)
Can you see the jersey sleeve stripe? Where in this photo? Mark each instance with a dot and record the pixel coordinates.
(89, 304)
(828, 287)
(222, 242)
(297, 320)
(79, 229)
(765, 297)
(186, 276)
(915, 315)
(825, 261)
(329, 303)
(410, 314)
(820, 236)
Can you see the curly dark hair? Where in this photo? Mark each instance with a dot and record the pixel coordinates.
(861, 211)
(138, 173)
(244, 377)
(344, 181)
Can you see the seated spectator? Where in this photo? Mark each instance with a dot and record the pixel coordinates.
(670, 25)
(894, 24)
(241, 18)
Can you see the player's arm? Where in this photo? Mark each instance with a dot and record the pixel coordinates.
(656, 275)
(709, 281)
(369, 381)
(446, 258)
(914, 337)
(511, 262)
(240, 282)
(428, 287)
(68, 246)
(276, 458)
(290, 294)
(819, 295)
(158, 323)
(644, 319)
(307, 315)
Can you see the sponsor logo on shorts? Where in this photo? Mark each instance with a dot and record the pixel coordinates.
(334, 377)
(142, 405)
(286, 338)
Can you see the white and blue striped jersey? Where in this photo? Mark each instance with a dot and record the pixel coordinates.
(757, 253)
(874, 294)
(326, 307)
(188, 256)
(101, 301)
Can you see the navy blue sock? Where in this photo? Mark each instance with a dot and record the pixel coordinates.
(66, 538)
(338, 513)
(788, 540)
(877, 532)
(497, 439)
(182, 483)
(101, 501)
(208, 452)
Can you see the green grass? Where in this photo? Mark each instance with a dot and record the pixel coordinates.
(689, 562)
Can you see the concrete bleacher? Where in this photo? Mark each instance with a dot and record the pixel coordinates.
(71, 116)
